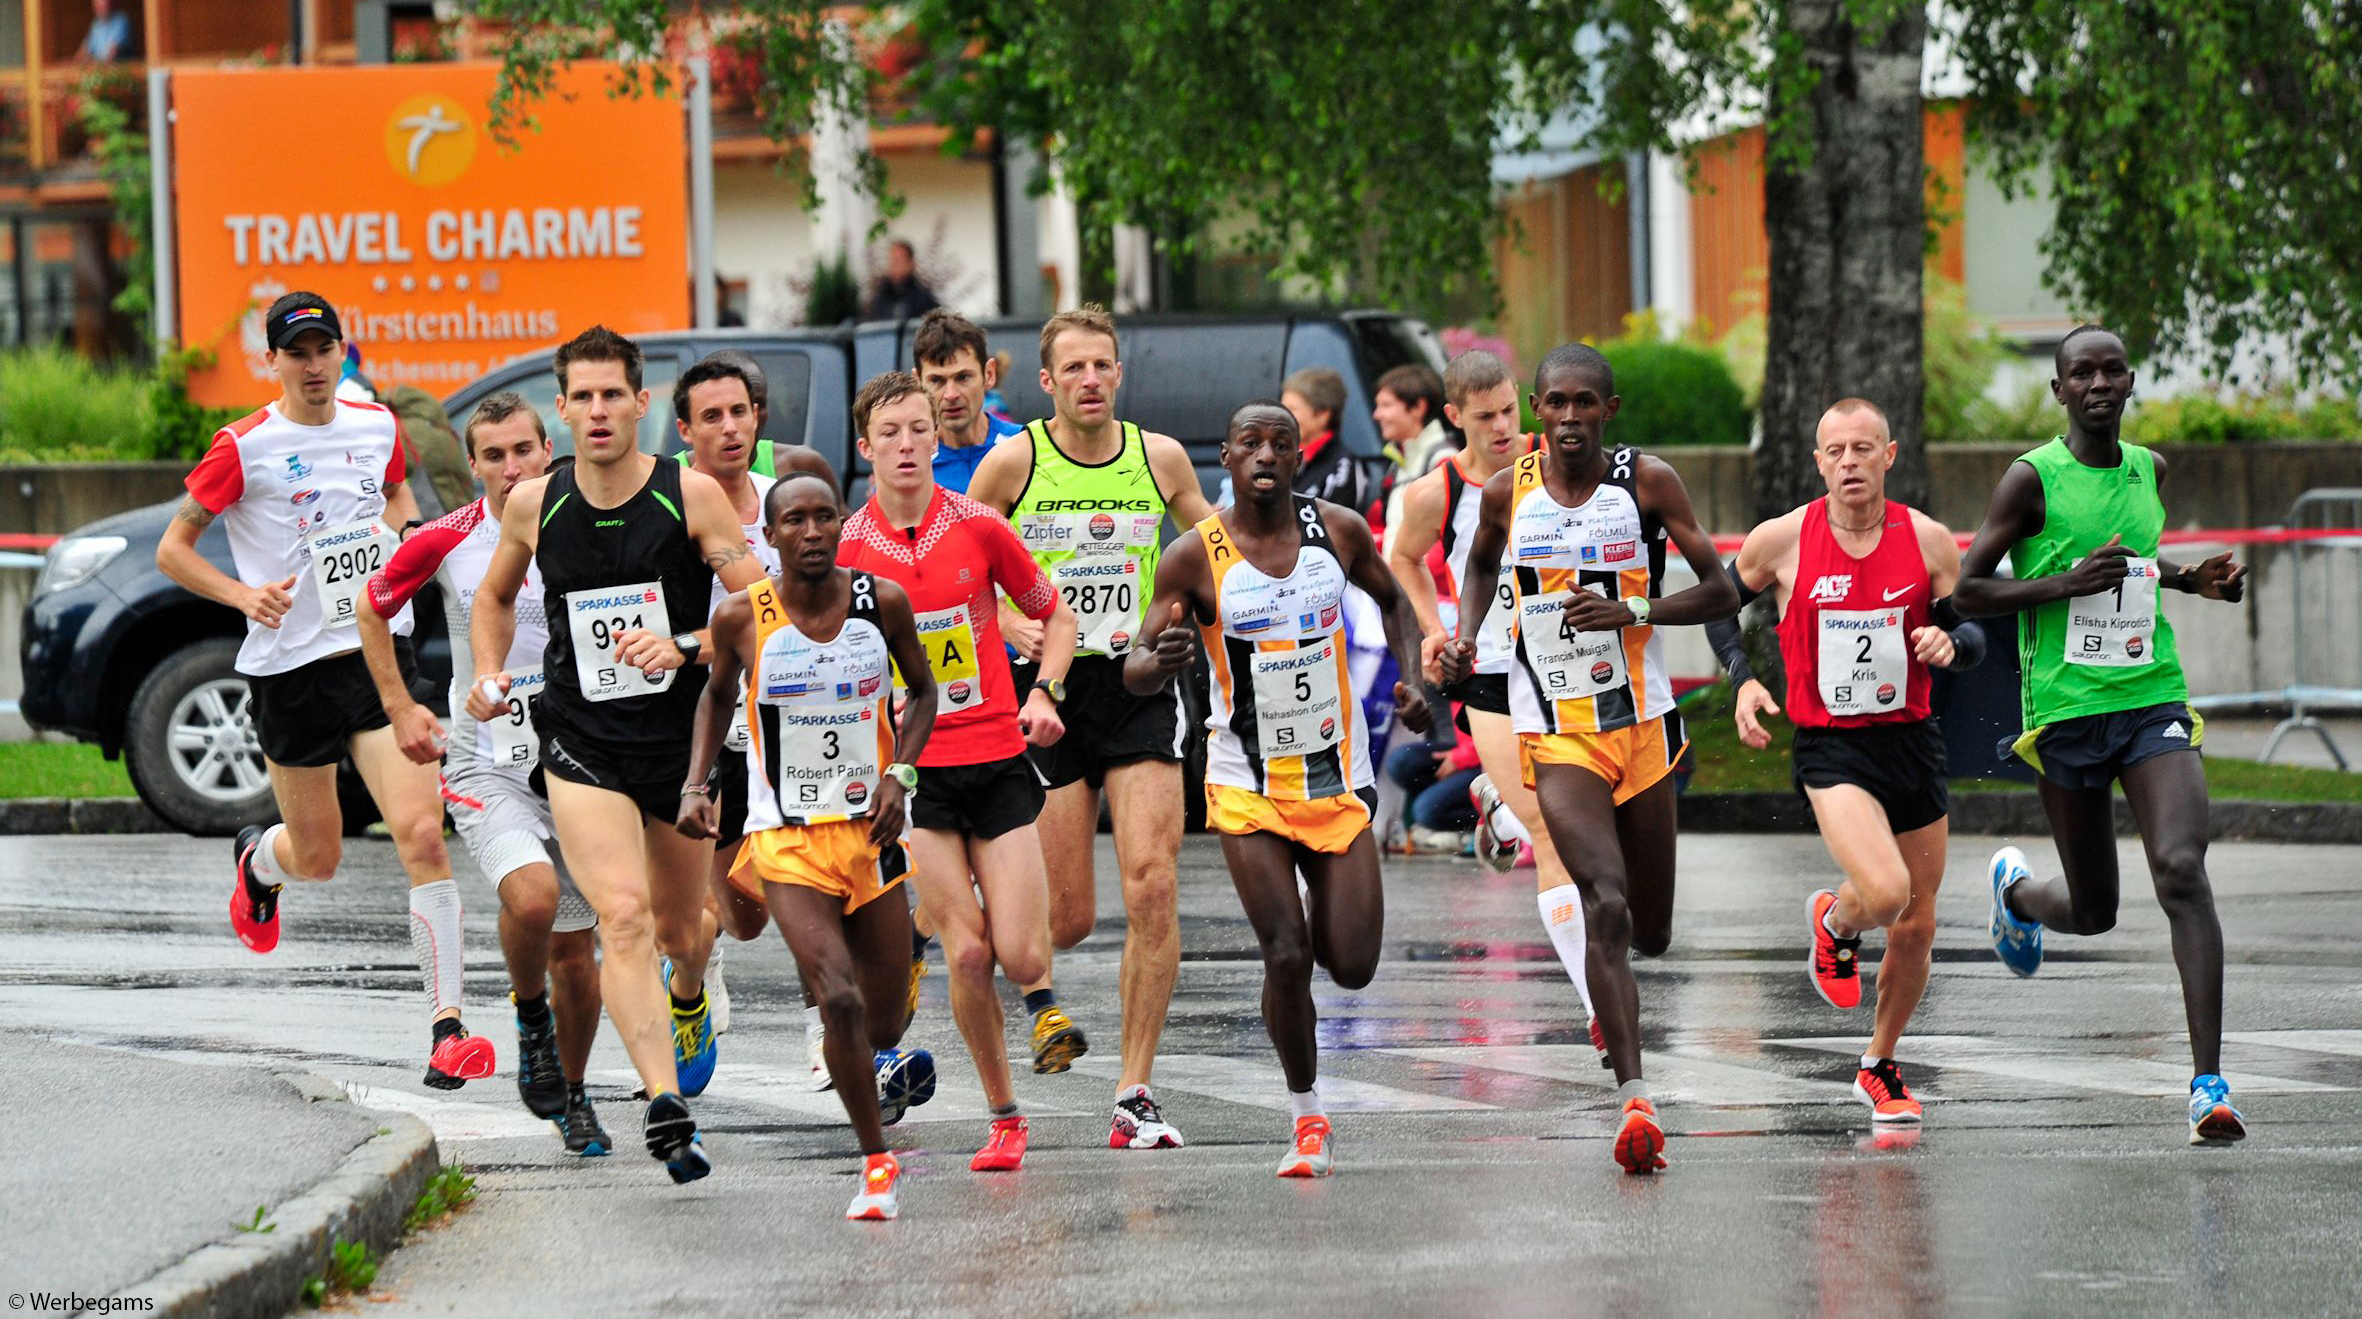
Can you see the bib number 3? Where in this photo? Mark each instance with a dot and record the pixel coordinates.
(342, 560)
(828, 758)
(596, 621)
(2116, 628)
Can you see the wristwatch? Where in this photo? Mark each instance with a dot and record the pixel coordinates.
(1639, 605)
(686, 643)
(1056, 687)
(906, 775)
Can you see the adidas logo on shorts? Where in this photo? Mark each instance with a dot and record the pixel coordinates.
(2176, 732)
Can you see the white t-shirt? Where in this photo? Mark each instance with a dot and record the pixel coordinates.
(277, 486)
(454, 551)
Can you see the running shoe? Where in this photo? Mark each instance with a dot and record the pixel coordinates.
(876, 1201)
(1057, 1041)
(2018, 943)
(694, 1049)
(540, 1083)
(459, 1059)
(1497, 853)
(816, 1052)
(918, 972)
(1439, 842)
(1834, 963)
(717, 991)
(2212, 1119)
(1640, 1142)
(1882, 1088)
(1004, 1146)
(1599, 1043)
(673, 1139)
(906, 1079)
(579, 1124)
(1141, 1125)
(1310, 1157)
(254, 908)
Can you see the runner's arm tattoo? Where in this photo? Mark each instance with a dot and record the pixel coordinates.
(724, 557)
(193, 513)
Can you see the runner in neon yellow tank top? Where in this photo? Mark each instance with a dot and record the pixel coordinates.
(1090, 495)
(2103, 694)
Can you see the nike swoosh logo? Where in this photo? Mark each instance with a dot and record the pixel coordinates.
(1892, 596)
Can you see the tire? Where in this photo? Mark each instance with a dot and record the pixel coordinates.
(215, 782)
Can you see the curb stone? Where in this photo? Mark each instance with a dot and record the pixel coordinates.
(2020, 813)
(364, 1199)
(79, 815)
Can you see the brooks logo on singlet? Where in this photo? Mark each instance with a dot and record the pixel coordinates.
(1092, 505)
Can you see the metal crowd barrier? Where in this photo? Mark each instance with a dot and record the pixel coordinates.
(2336, 509)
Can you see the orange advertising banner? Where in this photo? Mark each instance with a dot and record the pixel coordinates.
(381, 189)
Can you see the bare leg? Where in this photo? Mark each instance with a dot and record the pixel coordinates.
(814, 925)
(528, 907)
(311, 847)
(1877, 883)
(1263, 869)
(678, 885)
(574, 998)
(1910, 938)
(1645, 831)
(1145, 799)
(2168, 796)
(1580, 810)
(941, 862)
(2083, 900)
(605, 847)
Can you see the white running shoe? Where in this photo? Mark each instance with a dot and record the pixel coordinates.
(1140, 1125)
(1497, 854)
(717, 994)
(815, 1035)
(877, 1202)
(1310, 1156)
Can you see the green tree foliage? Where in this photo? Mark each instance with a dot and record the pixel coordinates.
(1674, 393)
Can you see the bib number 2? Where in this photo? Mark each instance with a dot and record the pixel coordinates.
(1863, 664)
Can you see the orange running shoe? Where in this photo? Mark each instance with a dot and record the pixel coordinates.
(877, 1202)
(1881, 1087)
(459, 1059)
(1599, 1043)
(1835, 963)
(1310, 1157)
(1004, 1147)
(1640, 1144)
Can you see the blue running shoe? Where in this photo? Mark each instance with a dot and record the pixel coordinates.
(695, 1050)
(2018, 943)
(673, 1139)
(906, 1079)
(2212, 1119)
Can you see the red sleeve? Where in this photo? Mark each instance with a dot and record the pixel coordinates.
(413, 564)
(220, 476)
(397, 467)
(1013, 569)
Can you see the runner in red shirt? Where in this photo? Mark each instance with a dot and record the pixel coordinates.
(977, 796)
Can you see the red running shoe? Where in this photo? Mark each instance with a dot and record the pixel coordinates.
(1882, 1088)
(1004, 1147)
(1833, 961)
(459, 1059)
(255, 919)
(1599, 1043)
(1640, 1143)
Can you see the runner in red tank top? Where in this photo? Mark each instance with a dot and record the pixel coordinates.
(1862, 586)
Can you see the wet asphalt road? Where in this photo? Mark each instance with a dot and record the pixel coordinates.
(1474, 1173)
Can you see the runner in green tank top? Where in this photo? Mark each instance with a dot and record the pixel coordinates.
(2104, 699)
(1090, 496)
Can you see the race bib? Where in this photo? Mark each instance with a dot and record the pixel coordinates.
(738, 739)
(2116, 628)
(828, 757)
(507, 740)
(596, 621)
(1104, 593)
(1298, 707)
(1569, 664)
(1497, 638)
(950, 643)
(342, 560)
(1864, 660)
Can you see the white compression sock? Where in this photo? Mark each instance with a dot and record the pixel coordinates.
(1562, 916)
(434, 936)
(1507, 827)
(265, 861)
(1306, 1104)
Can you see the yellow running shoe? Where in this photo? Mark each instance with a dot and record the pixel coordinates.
(1057, 1041)
(918, 972)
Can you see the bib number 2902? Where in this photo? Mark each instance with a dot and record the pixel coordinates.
(342, 560)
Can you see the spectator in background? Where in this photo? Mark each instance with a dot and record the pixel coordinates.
(109, 38)
(900, 293)
(1439, 814)
(958, 373)
(1409, 412)
(996, 404)
(1326, 469)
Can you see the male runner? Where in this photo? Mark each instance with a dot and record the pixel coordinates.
(814, 648)
(1585, 529)
(1089, 495)
(1863, 590)
(1288, 781)
(978, 859)
(1441, 506)
(627, 548)
(312, 486)
(953, 361)
(2103, 694)
(545, 925)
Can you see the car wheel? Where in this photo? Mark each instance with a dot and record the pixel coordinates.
(191, 745)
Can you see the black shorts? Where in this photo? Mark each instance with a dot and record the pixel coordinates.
(308, 716)
(1901, 766)
(981, 801)
(728, 782)
(1106, 725)
(1488, 692)
(651, 778)
(2094, 751)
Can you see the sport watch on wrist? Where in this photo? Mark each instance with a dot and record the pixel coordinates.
(1639, 605)
(906, 775)
(686, 643)
(1056, 687)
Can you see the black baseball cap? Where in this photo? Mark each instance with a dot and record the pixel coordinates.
(295, 313)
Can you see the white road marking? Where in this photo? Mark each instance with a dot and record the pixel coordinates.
(789, 1088)
(1673, 1075)
(453, 1120)
(2341, 1043)
(2082, 1071)
(1264, 1086)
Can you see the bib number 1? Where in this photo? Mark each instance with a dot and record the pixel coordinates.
(2116, 628)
